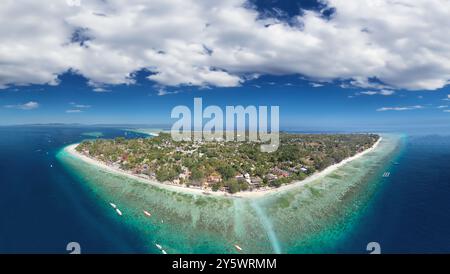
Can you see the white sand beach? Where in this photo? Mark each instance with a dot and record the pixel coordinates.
(244, 194)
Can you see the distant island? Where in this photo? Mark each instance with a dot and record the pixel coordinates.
(228, 167)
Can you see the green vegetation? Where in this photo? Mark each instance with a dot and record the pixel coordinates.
(227, 166)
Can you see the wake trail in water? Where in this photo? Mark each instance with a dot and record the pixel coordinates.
(267, 225)
(238, 226)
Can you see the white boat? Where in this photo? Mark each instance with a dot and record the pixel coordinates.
(119, 212)
(147, 213)
(113, 205)
(159, 246)
(163, 251)
(238, 247)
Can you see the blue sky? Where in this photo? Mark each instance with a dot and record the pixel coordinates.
(356, 80)
(302, 106)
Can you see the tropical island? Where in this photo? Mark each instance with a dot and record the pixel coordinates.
(226, 166)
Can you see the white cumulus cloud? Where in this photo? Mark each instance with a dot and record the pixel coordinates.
(403, 44)
(384, 92)
(75, 105)
(26, 106)
(74, 111)
(400, 108)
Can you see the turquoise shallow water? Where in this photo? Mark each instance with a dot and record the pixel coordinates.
(315, 218)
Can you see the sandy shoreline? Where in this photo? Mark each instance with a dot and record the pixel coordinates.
(247, 194)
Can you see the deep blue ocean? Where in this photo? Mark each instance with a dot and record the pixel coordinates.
(44, 207)
(411, 211)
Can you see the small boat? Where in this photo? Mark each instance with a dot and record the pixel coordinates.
(113, 205)
(238, 247)
(119, 212)
(159, 246)
(147, 213)
(51, 165)
(163, 251)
